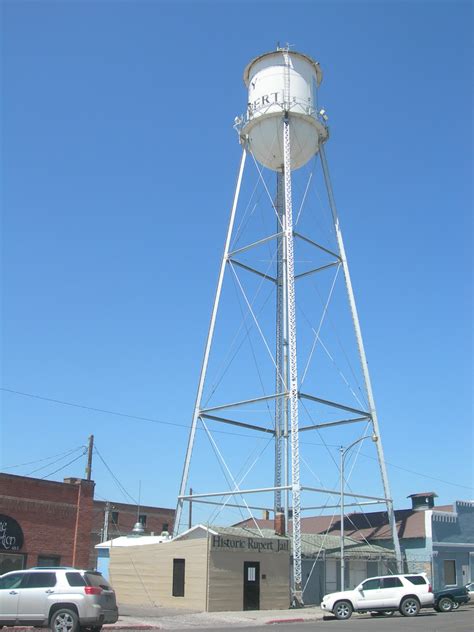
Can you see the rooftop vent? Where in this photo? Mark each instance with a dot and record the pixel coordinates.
(138, 529)
(422, 501)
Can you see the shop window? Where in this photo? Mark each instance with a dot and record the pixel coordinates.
(48, 560)
(142, 519)
(450, 572)
(11, 562)
(178, 578)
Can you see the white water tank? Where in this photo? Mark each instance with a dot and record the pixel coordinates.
(278, 82)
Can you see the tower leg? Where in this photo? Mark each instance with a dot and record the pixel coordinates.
(363, 361)
(205, 362)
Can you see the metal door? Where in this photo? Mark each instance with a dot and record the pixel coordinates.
(251, 585)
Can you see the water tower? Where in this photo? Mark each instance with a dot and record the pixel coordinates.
(283, 129)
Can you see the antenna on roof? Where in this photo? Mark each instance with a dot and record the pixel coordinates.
(139, 498)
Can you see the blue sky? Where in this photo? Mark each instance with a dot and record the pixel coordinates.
(118, 168)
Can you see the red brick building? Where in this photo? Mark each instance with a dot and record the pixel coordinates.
(47, 523)
(112, 519)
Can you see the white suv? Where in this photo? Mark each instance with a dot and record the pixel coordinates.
(385, 595)
(64, 599)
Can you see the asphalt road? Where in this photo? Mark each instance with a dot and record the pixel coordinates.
(459, 621)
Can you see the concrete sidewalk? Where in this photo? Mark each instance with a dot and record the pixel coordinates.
(152, 618)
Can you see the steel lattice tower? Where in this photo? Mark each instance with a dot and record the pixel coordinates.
(283, 106)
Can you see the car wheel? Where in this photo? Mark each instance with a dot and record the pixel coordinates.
(456, 605)
(445, 604)
(410, 607)
(342, 610)
(64, 620)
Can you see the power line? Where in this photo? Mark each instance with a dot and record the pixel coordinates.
(65, 465)
(170, 423)
(47, 458)
(42, 467)
(126, 415)
(405, 469)
(91, 408)
(118, 483)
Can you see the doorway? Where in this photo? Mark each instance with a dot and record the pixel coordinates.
(251, 585)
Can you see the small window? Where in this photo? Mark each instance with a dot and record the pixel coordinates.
(392, 582)
(11, 581)
(165, 526)
(75, 579)
(40, 580)
(450, 572)
(371, 584)
(142, 519)
(48, 560)
(178, 577)
(418, 580)
(114, 516)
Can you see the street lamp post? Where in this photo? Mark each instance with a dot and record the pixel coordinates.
(343, 452)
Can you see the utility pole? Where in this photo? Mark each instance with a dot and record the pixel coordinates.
(90, 450)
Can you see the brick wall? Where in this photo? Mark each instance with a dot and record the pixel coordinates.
(122, 518)
(56, 518)
(62, 519)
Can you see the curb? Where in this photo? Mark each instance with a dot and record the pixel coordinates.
(107, 626)
(298, 620)
(130, 626)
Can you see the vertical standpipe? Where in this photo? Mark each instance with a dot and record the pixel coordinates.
(283, 133)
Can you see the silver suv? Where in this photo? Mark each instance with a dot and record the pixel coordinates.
(64, 599)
